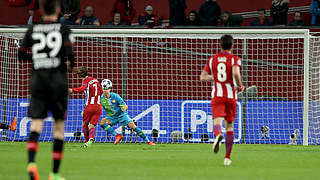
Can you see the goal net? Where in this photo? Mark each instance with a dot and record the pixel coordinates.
(314, 90)
(157, 73)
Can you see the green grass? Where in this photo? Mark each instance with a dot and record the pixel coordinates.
(166, 162)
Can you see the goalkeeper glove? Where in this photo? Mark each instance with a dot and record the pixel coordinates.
(123, 107)
(241, 88)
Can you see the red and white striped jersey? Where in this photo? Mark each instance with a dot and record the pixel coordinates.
(93, 90)
(220, 67)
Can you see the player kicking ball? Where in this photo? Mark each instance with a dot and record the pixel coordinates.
(116, 110)
(224, 68)
(93, 109)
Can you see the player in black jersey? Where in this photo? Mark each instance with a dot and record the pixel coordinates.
(49, 46)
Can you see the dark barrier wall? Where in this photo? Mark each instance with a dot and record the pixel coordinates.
(12, 16)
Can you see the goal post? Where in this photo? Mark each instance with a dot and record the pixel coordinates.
(306, 91)
(157, 73)
(314, 90)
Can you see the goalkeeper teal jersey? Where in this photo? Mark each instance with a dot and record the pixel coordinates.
(112, 105)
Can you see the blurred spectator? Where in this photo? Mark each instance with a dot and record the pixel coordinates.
(279, 12)
(88, 18)
(193, 19)
(177, 12)
(126, 9)
(262, 20)
(34, 11)
(229, 20)
(209, 13)
(70, 10)
(116, 20)
(149, 19)
(315, 11)
(297, 20)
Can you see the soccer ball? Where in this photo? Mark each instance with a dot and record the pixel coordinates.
(106, 84)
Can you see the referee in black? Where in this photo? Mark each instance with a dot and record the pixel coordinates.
(49, 46)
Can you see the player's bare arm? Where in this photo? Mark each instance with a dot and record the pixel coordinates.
(206, 77)
(237, 76)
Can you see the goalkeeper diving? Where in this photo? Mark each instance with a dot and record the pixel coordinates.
(116, 110)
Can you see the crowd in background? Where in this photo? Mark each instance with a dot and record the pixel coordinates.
(209, 14)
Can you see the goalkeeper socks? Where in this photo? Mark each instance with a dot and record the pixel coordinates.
(32, 146)
(141, 134)
(229, 143)
(4, 126)
(92, 133)
(217, 130)
(57, 154)
(109, 129)
(86, 132)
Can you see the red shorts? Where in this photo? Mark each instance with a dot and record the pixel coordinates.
(222, 107)
(92, 114)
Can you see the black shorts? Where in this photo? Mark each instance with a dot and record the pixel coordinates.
(49, 92)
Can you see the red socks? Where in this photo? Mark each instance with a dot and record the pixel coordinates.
(85, 132)
(92, 133)
(88, 133)
(229, 143)
(217, 130)
(229, 139)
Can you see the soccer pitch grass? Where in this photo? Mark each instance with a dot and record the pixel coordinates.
(166, 162)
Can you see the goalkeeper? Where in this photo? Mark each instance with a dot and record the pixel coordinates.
(116, 110)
